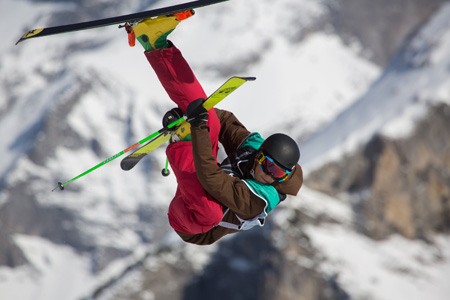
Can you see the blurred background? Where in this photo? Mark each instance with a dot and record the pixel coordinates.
(363, 86)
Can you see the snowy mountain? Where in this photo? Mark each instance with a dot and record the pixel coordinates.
(70, 101)
(415, 80)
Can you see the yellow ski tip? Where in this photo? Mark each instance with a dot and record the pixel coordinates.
(29, 34)
(227, 88)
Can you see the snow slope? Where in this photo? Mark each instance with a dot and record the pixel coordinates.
(126, 101)
(126, 104)
(417, 78)
(396, 268)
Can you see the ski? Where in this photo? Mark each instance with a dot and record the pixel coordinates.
(131, 160)
(131, 18)
(158, 138)
(163, 135)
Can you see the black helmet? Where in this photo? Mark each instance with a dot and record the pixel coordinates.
(283, 149)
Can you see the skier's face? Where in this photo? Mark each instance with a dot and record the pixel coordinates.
(262, 177)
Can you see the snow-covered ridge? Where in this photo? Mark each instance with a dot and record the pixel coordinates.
(301, 85)
(416, 79)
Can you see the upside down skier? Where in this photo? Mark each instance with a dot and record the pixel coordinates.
(214, 200)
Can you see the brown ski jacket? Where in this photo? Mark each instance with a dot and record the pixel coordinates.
(231, 192)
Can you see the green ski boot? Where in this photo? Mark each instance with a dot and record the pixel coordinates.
(152, 33)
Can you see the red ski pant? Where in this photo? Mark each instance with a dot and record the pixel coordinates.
(192, 210)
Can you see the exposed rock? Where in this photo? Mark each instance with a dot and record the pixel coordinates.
(10, 255)
(398, 186)
(380, 26)
(54, 223)
(269, 263)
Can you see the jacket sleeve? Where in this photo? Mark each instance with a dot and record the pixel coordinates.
(232, 131)
(227, 190)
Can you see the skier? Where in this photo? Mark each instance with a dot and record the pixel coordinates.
(209, 203)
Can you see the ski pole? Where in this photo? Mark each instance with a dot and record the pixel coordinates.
(62, 185)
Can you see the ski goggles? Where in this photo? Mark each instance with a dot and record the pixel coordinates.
(269, 167)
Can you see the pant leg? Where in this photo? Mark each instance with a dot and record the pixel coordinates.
(180, 83)
(192, 210)
(176, 76)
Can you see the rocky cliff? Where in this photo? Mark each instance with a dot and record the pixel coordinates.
(397, 186)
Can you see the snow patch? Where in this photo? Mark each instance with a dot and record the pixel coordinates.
(396, 268)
